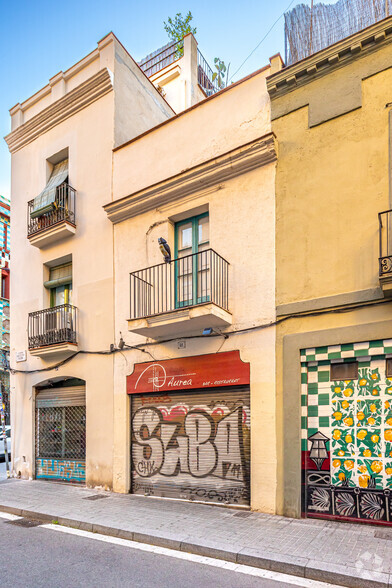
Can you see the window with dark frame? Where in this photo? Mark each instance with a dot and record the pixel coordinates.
(344, 371)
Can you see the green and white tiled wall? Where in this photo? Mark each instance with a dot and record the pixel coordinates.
(315, 380)
(355, 415)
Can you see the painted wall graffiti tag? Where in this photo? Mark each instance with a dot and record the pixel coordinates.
(59, 469)
(197, 448)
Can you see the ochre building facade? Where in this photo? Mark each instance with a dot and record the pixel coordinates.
(331, 117)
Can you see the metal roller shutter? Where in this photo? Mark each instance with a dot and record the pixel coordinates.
(193, 445)
(60, 433)
(72, 396)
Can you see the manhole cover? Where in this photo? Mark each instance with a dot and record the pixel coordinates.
(95, 497)
(24, 523)
(242, 514)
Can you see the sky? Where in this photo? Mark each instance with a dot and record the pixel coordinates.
(39, 38)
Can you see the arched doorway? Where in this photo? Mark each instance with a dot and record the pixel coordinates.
(60, 430)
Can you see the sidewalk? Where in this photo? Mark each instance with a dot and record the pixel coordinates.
(346, 554)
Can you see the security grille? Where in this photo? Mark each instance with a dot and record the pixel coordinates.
(61, 424)
(61, 432)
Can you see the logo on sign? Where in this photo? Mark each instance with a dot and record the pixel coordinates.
(158, 378)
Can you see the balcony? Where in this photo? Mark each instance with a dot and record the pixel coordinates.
(53, 331)
(385, 251)
(172, 53)
(182, 297)
(55, 224)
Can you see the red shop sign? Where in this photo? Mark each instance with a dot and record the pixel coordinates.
(187, 373)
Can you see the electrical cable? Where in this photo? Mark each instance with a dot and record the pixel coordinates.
(140, 349)
(263, 39)
(226, 334)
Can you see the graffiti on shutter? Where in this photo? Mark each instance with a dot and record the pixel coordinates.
(193, 445)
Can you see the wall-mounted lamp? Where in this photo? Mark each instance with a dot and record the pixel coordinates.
(209, 331)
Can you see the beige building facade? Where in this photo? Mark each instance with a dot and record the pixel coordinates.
(219, 193)
(63, 289)
(139, 374)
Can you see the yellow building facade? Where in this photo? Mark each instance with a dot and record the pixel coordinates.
(331, 117)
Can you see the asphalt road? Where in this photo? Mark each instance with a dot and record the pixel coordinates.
(37, 556)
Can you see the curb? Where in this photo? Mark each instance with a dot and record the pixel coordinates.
(340, 575)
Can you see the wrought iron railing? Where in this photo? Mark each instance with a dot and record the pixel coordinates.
(63, 210)
(162, 58)
(52, 326)
(205, 76)
(187, 281)
(385, 254)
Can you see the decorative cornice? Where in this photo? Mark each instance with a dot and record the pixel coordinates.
(222, 168)
(331, 58)
(84, 95)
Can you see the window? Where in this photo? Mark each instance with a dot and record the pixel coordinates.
(344, 371)
(5, 288)
(6, 235)
(60, 285)
(46, 201)
(192, 268)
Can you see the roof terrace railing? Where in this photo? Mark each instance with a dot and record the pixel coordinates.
(162, 57)
(205, 76)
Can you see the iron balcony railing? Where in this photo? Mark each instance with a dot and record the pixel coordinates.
(63, 210)
(385, 254)
(162, 57)
(187, 281)
(52, 326)
(205, 76)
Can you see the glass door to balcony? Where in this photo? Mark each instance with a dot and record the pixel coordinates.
(192, 265)
(59, 319)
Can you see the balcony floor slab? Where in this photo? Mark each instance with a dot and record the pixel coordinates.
(62, 350)
(181, 322)
(52, 234)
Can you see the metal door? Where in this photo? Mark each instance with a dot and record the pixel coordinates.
(192, 445)
(60, 434)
